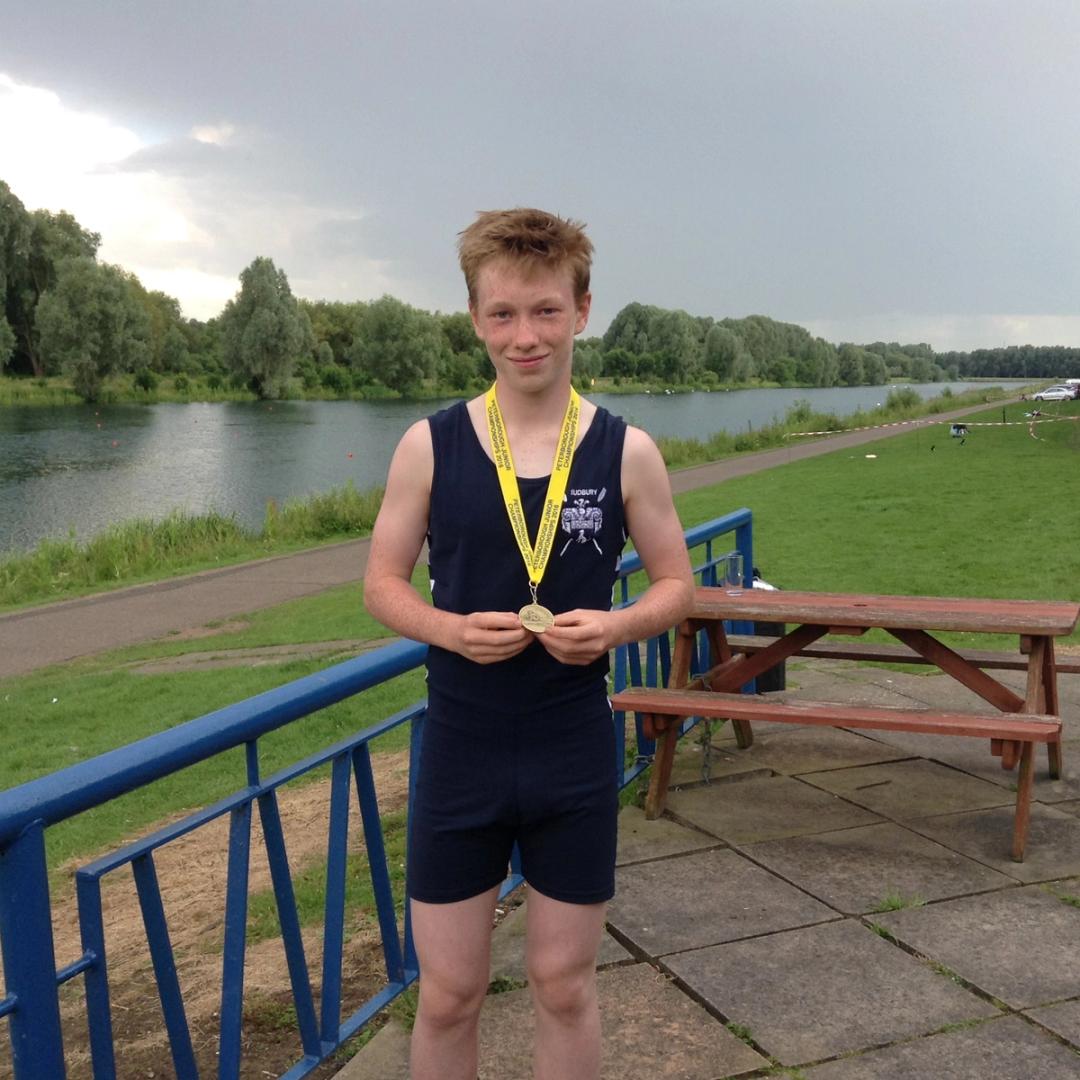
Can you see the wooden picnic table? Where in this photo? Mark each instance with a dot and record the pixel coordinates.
(1018, 723)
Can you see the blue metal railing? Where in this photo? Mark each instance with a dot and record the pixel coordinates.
(31, 1001)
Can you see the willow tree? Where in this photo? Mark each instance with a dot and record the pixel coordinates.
(263, 329)
(91, 323)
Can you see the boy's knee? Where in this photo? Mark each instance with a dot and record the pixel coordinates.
(566, 992)
(449, 1003)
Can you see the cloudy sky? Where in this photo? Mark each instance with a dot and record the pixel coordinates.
(872, 169)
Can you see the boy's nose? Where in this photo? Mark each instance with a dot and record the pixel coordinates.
(526, 334)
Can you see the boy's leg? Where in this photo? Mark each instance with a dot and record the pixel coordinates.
(453, 945)
(562, 941)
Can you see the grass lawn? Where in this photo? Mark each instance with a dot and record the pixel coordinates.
(74, 711)
(995, 516)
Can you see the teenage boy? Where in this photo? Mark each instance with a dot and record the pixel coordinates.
(525, 496)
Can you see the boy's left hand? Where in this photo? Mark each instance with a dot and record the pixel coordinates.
(579, 636)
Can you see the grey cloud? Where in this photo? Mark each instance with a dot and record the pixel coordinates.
(821, 161)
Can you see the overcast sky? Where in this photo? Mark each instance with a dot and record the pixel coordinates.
(871, 169)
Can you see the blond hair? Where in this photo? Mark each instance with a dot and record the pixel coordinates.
(526, 237)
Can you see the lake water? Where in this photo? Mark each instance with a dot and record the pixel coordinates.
(81, 468)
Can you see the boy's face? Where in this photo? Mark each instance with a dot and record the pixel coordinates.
(527, 318)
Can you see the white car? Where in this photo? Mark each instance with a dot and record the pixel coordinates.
(1053, 393)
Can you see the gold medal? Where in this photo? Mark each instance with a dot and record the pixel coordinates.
(536, 617)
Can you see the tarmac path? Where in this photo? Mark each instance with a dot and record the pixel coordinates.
(53, 633)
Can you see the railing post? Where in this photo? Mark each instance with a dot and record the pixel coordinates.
(744, 542)
(37, 1046)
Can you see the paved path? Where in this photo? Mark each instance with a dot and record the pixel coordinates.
(53, 633)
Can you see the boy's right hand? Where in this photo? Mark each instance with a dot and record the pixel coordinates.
(488, 637)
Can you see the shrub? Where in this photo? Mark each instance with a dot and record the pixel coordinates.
(903, 397)
(146, 380)
(335, 378)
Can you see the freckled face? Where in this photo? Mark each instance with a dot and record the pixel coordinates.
(527, 319)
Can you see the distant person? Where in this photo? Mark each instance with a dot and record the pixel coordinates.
(525, 496)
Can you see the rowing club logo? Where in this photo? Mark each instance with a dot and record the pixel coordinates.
(583, 519)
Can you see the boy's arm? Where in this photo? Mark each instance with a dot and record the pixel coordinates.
(396, 542)
(579, 637)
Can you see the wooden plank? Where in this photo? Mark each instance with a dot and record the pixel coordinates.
(1040, 617)
(1022, 727)
(721, 651)
(1023, 802)
(1035, 695)
(750, 667)
(667, 735)
(1053, 707)
(886, 653)
(1010, 754)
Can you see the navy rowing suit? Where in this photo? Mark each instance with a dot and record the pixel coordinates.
(522, 750)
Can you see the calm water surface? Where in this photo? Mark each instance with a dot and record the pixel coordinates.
(80, 468)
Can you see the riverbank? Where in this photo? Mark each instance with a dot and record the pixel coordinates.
(185, 389)
(131, 552)
(35, 637)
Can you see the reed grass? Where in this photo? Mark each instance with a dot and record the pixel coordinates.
(342, 511)
(143, 549)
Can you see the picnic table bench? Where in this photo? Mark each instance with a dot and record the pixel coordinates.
(1014, 728)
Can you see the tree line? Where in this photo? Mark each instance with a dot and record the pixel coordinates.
(64, 312)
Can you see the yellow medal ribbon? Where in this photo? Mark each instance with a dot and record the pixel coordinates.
(534, 616)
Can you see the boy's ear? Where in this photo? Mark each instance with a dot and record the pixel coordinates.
(583, 307)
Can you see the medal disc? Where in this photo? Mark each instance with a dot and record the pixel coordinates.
(536, 617)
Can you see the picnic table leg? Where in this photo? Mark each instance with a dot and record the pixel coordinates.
(721, 654)
(1023, 801)
(667, 737)
(1053, 748)
(667, 727)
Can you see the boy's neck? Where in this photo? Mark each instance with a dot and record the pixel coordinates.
(538, 410)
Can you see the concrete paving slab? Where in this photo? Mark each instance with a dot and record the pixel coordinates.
(1066, 889)
(823, 990)
(1020, 945)
(823, 680)
(726, 760)
(1063, 1019)
(973, 756)
(386, 1057)
(1006, 1049)
(742, 811)
(932, 688)
(649, 1029)
(1071, 807)
(1068, 786)
(856, 869)
(802, 750)
(640, 839)
(1053, 840)
(911, 789)
(1069, 692)
(702, 899)
(508, 948)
